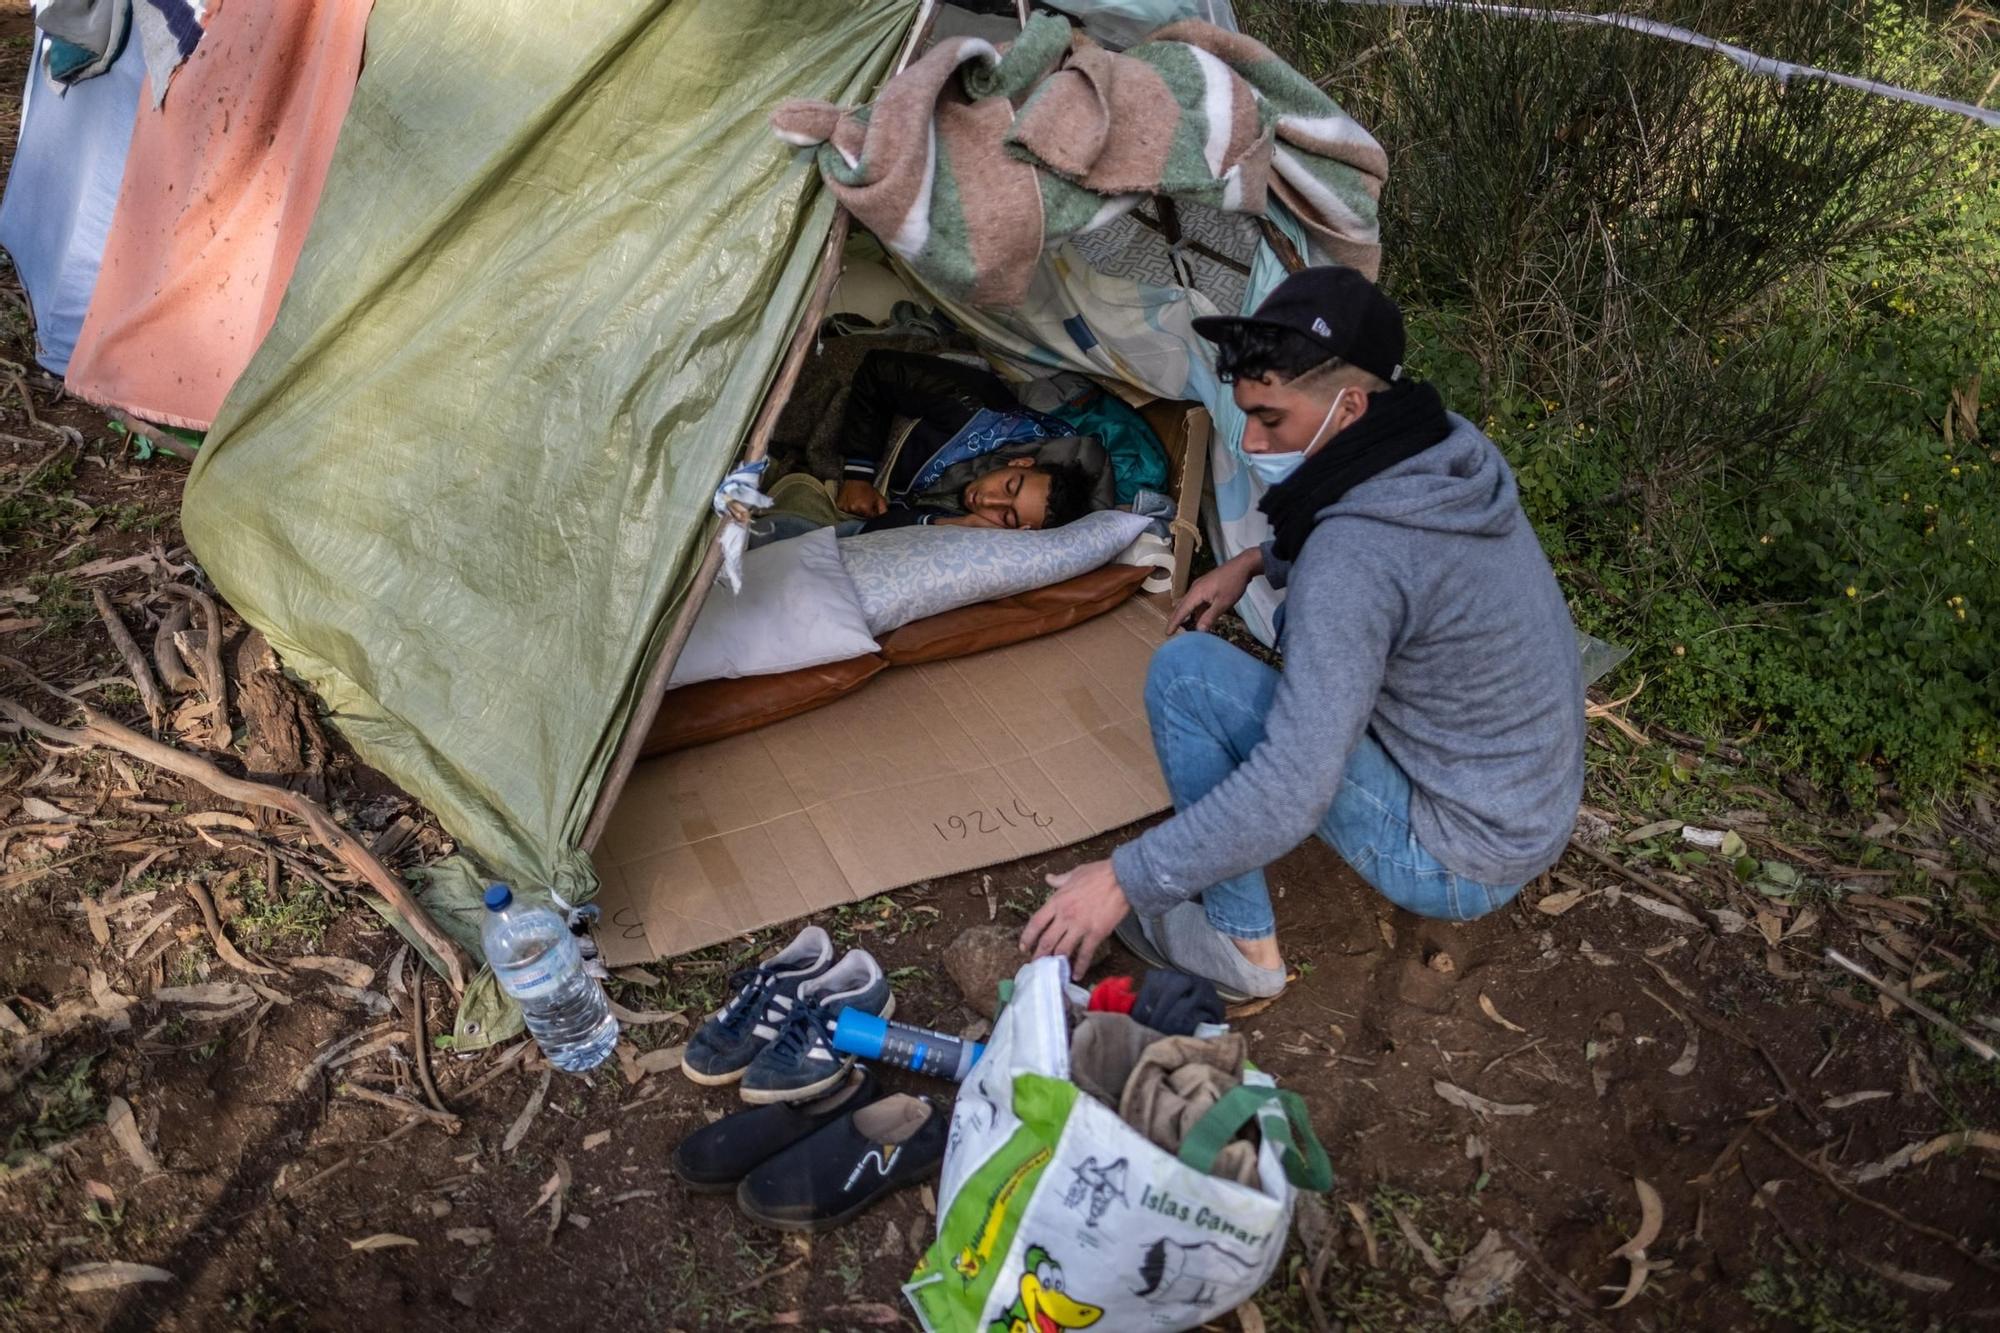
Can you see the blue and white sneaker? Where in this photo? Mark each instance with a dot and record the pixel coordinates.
(801, 1062)
(764, 999)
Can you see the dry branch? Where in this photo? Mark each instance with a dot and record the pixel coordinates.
(1618, 867)
(444, 1120)
(173, 670)
(159, 439)
(135, 661)
(225, 948)
(420, 1042)
(1826, 1178)
(101, 732)
(214, 681)
(1983, 1050)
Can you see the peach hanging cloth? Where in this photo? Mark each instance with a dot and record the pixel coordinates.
(220, 188)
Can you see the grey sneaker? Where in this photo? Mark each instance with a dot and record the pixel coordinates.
(801, 1061)
(1183, 940)
(764, 997)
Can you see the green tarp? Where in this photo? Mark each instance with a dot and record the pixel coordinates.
(466, 479)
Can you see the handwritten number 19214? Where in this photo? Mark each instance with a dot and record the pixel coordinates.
(989, 820)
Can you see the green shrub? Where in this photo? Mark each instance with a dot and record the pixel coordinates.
(1727, 331)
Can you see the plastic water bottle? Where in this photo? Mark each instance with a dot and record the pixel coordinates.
(536, 960)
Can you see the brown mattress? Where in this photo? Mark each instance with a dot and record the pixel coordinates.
(711, 710)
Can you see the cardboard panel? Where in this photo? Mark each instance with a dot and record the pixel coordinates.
(927, 771)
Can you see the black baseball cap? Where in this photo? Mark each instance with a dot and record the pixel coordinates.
(1337, 308)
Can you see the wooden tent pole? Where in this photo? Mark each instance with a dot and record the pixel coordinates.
(754, 447)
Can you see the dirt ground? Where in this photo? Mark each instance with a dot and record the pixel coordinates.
(1652, 1019)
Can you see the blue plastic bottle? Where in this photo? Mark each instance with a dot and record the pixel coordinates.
(536, 960)
(925, 1050)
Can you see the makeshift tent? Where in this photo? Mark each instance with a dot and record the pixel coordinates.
(220, 188)
(464, 485)
(63, 189)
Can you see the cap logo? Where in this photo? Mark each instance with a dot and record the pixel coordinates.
(1319, 327)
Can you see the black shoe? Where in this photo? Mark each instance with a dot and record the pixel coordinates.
(837, 1174)
(716, 1157)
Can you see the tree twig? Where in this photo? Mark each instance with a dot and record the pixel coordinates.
(1618, 867)
(135, 661)
(214, 681)
(167, 656)
(159, 439)
(444, 1120)
(420, 1041)
(1983, 1050)
(1827, 1178)
(225, 949)
(1728, 1032)
(99, 730)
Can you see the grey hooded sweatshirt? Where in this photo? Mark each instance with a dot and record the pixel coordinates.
(1421, 609)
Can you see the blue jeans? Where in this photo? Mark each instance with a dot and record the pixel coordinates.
(1206, 701)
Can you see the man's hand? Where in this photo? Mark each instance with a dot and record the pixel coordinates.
(1215, 592)
(860, 499)
(1079, 916)
(967, 521)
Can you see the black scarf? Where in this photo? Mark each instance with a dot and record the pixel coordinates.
(1401, 422)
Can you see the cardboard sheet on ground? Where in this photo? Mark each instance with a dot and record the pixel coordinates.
(928, 771)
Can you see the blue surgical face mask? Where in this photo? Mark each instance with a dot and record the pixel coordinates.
(1274, 468)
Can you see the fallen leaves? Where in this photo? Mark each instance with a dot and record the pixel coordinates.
(382, 1240)
(1847, 1099)
(1416, 1240)
(1360, 1216)
(1918, 1153)
(344, 970)
(1555, 904)
(1658, 908)
(1480, 1106)
(1683, 1064)
(639, 1018)
(124, 1129)
(474, 1236)
(1486, 1007)
(81, 1278)
(592, 1142)
(555, 1192)
(522, 1122)
(1484, 1278)
(1922, 1283)
(207, 994)
(1652, 1217)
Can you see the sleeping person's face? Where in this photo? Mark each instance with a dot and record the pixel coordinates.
(1013, 496)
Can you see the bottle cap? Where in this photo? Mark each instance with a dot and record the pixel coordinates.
(498, 896)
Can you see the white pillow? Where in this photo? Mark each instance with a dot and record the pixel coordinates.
(797, 609)
(905, 574)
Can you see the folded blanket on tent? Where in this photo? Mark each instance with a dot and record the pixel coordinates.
(972, 162)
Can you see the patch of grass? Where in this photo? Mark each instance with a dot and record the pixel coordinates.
(136, 518)
(58, 1103)
(295, 917)
(191, 964)
(1824, 1298)
(61, 602)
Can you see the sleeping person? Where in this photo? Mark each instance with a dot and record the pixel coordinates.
(925, 440)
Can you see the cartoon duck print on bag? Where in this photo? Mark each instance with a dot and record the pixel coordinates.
(1041, 1305)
